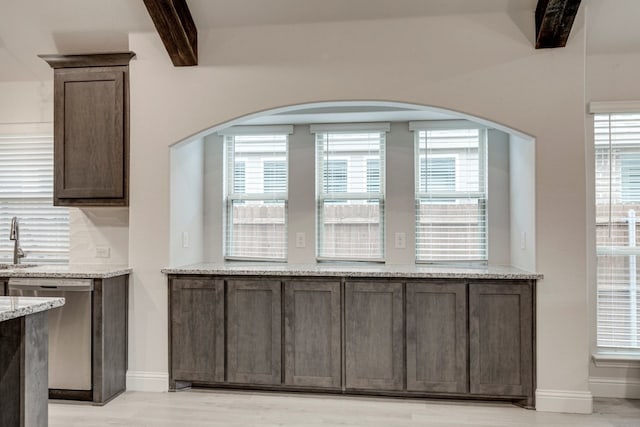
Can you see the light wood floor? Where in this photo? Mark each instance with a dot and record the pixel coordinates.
(229, 408)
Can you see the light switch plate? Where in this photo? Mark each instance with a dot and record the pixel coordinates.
(301, 240)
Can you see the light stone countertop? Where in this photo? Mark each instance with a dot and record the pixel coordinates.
(12, 307)
(79, 271)
(354, 270)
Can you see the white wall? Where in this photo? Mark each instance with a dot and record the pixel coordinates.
(499, 198)
(522, 186)
(612, 77)
(187, 207)
(99, 228)
(487, 67)
(213, 240)
(26, 102)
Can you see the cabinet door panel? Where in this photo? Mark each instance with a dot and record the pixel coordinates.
(437, 337)
(312, 334)
(254, 332)
(500, 339)
(374, 335)
(90, 133)
(197, 330)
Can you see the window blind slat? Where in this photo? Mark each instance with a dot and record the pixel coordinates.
(617, 196)
(26, 191)
(257, 186)
(350, 193)
(451, 217)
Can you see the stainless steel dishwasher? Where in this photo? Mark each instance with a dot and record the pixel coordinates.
(69, 328)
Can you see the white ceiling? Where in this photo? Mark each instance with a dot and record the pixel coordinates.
(31, 27)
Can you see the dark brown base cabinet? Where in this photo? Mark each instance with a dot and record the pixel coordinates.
(399, 337)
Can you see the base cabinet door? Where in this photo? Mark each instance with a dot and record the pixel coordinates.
(374, 335)
(312, 333)
(437, 336)
(197, 330)
(254, 332)
(501, 339)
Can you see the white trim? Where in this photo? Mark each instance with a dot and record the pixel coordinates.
(30, 129)
(257, 130)
(567, 401)
(147, 381)
(627, 361)
(604, 107)
(350, 127)
(444, 124)
(622, 388)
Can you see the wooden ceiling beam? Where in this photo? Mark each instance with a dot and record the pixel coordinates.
(554, 19)
(176, 28)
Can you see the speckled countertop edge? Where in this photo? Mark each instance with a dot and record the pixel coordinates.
(67, 271)
(333, 270)
(13, 307)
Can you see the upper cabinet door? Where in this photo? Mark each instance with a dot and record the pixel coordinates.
(89, 147)
(91, 128)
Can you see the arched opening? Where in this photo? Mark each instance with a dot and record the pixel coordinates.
(200, 176)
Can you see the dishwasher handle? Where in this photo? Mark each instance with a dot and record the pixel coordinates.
(51, 285)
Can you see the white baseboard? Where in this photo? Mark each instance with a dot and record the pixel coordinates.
(627, 388)
(574, 402)
(147, 381)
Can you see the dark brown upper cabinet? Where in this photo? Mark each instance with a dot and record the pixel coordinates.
(91, 129)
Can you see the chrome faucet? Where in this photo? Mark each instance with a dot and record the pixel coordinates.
(14, 235)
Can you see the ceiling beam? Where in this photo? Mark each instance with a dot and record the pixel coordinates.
(554, 19)
(177, 30)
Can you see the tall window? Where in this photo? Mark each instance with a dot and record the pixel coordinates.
(350, 191)
(617, 197)
(450, 191)
(26, 192)
(256, 193)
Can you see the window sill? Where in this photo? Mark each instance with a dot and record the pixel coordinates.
(616, 360)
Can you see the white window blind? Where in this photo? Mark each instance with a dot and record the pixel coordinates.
(26, 191)
(350, 193)
(617, 196)
(256, 202)
(451, 195)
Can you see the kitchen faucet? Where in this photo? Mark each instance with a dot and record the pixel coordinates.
(14, 235)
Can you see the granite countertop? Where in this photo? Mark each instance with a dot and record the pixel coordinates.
(12, 307)
(355, 270)
(80, 271)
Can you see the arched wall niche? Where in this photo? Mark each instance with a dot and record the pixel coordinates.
(196, 182)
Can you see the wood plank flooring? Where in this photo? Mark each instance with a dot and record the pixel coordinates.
(230, 408)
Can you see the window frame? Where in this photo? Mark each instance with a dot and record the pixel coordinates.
(443, 197)
(323, 196)
(609, 185)
(231, 196)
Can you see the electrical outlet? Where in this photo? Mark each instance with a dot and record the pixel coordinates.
(185, 239)
(301, 240)
(103, 252)
(401, 240)
(523, 240)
